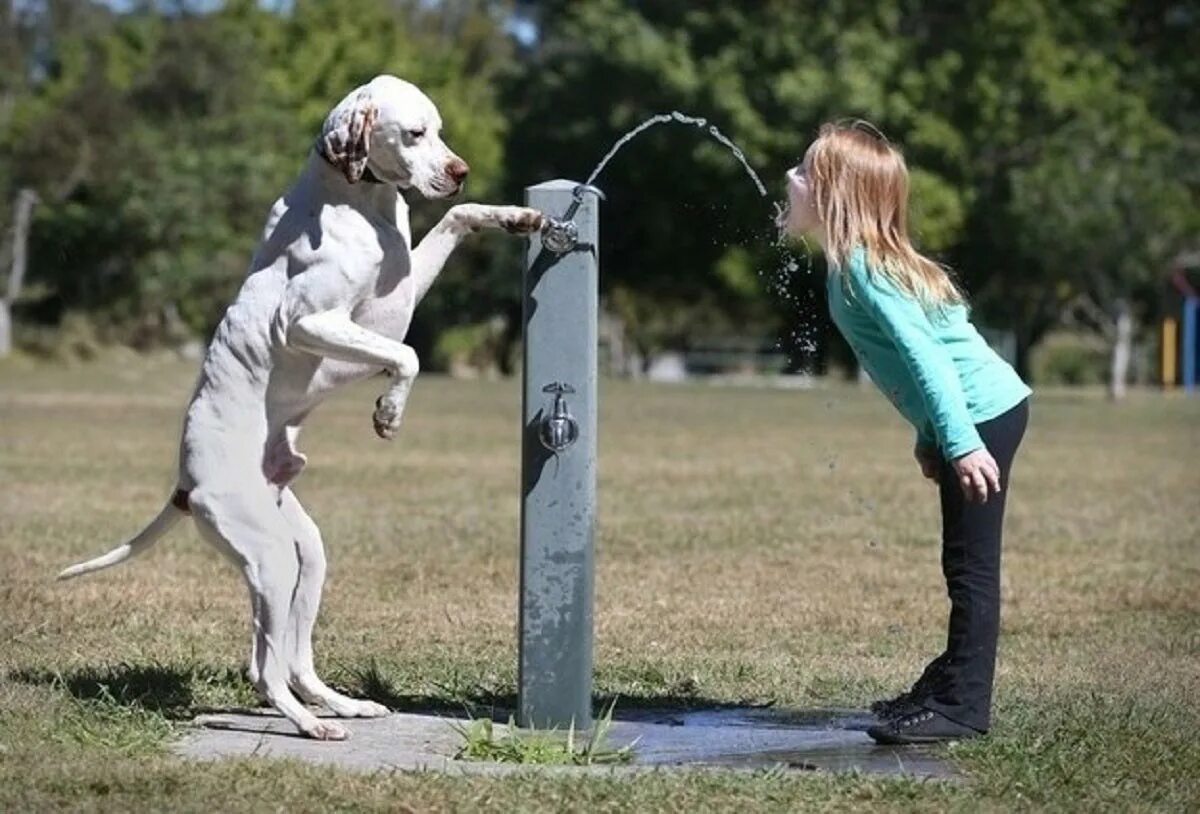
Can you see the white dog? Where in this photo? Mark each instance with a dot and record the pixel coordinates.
(328, 301)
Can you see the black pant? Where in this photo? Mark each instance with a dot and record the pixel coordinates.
(962, 676)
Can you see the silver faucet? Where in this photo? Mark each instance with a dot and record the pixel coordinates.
(559, 429)
(561, 235)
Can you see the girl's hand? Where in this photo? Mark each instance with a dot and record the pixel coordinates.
(978, 475)
(929, 461)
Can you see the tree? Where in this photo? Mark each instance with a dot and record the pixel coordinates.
(684, 228)
(1102, 203)
(16, 247)
(194, 122)
(177, 127)
(977, 93)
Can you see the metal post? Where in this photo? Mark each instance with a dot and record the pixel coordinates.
(1170, 349)
(558, 468)
(1191, 309)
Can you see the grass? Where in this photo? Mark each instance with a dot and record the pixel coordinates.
(754, 546)
(549, 747)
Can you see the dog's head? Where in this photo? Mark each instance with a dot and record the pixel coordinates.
(391, 128)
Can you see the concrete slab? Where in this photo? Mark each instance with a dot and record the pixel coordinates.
(738, 739)
(399, 741)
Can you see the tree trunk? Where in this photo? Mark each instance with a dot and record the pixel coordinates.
(1122, 350)
(22, 221)
(5, 329)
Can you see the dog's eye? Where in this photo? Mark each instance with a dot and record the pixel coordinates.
(415, 134)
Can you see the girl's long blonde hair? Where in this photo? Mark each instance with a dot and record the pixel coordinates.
(860, 188)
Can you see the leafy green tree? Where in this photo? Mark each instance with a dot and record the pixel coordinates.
(194, 122)
(1102, 205)
(983, 95)
(1051, 144)
(684, 227)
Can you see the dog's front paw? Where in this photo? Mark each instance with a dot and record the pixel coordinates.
(520, 220)
(387, 417)
(281, 468)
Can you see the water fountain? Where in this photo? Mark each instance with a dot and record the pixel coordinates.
(558, 449)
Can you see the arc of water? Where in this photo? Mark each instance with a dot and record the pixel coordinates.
(680, 118)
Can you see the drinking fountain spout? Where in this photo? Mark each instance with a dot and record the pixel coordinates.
(561, 235)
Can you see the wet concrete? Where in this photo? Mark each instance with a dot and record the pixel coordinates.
(728, 738)
(756, 737)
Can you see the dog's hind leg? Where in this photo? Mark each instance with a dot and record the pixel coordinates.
(306, 601)
(246, 524)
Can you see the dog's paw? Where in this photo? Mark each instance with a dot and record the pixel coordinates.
(369, 709)
(281, 469)
(324, 730)
(519, 220)
(345, 707)
(387, 417)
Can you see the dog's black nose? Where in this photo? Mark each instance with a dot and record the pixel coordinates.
(458, 170)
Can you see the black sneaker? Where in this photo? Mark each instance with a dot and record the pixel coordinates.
(907, 701)
(911, 700)
(921, 726)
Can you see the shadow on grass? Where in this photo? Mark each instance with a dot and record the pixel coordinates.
(182, 691)
(671, 706)
(169, 690)
(476, 701)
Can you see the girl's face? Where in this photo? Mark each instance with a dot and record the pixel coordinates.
(800, 218)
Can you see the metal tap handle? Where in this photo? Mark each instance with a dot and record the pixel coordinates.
(559, 430)
(561, 235)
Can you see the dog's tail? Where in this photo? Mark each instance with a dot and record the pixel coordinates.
(171, 513)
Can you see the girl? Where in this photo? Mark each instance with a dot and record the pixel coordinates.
(907, 324)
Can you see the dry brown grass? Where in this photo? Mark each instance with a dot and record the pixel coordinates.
(753, 544)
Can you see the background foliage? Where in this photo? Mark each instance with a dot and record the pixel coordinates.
(1053, 148)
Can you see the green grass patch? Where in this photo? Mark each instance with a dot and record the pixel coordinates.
(1095, 750)
(755, 547)
(546, 747)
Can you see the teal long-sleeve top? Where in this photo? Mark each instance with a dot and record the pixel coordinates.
(933, 366)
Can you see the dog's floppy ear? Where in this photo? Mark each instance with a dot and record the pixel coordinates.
(346, 137)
